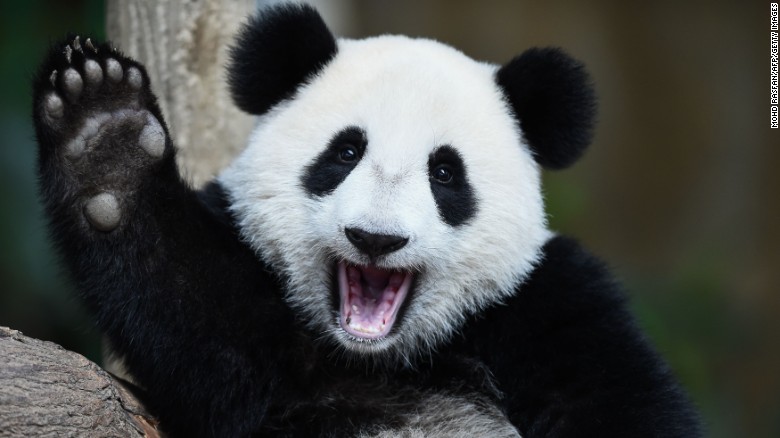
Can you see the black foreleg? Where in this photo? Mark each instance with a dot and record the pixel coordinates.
(190, 307)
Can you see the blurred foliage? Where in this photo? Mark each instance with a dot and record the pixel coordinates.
(34, 295)
(678, 192)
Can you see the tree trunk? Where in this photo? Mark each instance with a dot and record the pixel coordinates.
(46, 390)
(185, 48)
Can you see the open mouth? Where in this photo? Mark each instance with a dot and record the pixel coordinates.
(370, 299)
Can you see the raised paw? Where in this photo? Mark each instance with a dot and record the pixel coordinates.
(100, 131)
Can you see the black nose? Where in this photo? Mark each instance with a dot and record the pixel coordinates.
(374, 245)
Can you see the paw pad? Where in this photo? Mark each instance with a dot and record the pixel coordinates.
(53, 106)
(73, 83)
(152, 137)
(88, 130)
(103, 212)
(134, 78)
(97, 115)
(93, 72)
(114, 70)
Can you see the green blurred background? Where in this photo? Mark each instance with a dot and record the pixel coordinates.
(678, 192)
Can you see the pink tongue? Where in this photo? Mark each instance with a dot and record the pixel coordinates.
(369, 307)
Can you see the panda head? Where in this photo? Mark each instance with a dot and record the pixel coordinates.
(395, 182)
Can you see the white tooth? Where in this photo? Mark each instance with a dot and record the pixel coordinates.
(355, 309)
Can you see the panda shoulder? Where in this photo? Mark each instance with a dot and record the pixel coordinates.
(569, 286)
(569, 272)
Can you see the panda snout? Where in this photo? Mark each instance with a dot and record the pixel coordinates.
(374, 245)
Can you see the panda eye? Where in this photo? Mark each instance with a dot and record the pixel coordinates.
(442, 173)
(348, 154)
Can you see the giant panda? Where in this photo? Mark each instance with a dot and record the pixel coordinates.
(377, 261)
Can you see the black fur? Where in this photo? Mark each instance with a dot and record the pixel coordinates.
(455, 198)
(330, 169)
(202, 325)
(277, 51)
(570, 360)
(553, 99)
(169, 284)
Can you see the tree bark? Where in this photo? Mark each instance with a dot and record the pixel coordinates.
(46, 390)
(185, 48)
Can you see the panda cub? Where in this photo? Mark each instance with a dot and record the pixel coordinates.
(375, 263)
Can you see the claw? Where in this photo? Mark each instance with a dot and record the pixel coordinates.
(89, 45)
(68, 53)
(53, 78)
(77, 44)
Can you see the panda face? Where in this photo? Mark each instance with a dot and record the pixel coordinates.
(394, 193)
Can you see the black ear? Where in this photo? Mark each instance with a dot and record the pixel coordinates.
(553, 99)
(275, 52)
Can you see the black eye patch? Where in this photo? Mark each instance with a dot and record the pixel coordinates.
(455, 199)
(332, 166)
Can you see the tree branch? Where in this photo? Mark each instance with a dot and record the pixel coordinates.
(46, 390)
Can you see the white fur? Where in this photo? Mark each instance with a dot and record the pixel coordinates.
(410, 96)
(445, 415)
